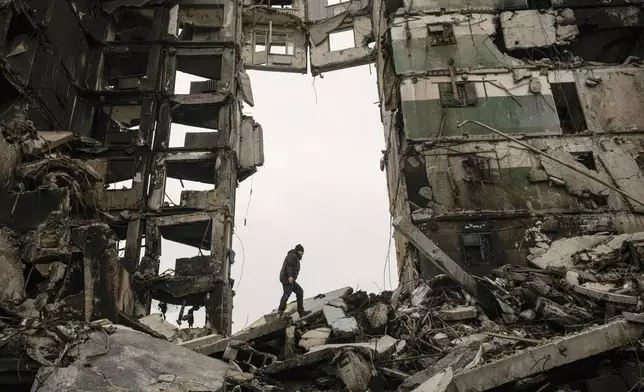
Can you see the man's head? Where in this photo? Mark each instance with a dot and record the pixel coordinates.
(299, 249)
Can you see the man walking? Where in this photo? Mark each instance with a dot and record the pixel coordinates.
(288, 276)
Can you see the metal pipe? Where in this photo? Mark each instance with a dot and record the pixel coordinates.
(537, 151)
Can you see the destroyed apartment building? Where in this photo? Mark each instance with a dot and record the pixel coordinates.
(514, 155)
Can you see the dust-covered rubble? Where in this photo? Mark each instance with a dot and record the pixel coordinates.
(572, 320)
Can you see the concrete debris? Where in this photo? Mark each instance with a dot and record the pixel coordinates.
(458, 314)
(314, 338)
(377, 315)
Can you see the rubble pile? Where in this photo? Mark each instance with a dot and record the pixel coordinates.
(578, 307)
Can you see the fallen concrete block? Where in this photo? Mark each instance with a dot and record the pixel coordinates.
(345, 327)
(606, 296)
(458, 314)
(441, 340)
(156, 323)
(377, 315)
(314, 338)
(333, 313)
(560, 352)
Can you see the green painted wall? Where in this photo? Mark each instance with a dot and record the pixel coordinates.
(518, 114)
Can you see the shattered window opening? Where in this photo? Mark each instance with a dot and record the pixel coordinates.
(569, 109)
(478, 248)
(585, 158)
(341, 40)
(124, 71)
(466, 94)
(477, 169)
(440, 34)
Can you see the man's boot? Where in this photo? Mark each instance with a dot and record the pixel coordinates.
(303, 313)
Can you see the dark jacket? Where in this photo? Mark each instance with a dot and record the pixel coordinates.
(291, 266)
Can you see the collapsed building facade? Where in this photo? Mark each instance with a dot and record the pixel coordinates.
(564, 77)
(513, 137)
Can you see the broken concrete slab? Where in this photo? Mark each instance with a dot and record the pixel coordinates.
(560, 352)
(212, 344)
(456, 359)
(314, 338)
(458, 314)
(333, 313)
(438, 383)
(311, 304)
(561, 251)
(135, 361)
(606, 296)
(383, 347)
(315, 356)
(156, 322)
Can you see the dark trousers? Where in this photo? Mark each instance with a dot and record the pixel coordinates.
(299, 294)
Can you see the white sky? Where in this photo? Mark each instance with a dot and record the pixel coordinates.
(321, 186)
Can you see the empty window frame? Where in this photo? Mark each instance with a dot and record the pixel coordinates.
(479, 248)
(280, 43)
(123, 71)
(477, 169)
(569, 109)
(341, 40)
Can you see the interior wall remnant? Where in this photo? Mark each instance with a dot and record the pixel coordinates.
(355, 50)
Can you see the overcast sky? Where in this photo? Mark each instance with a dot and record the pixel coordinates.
(321, 186)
